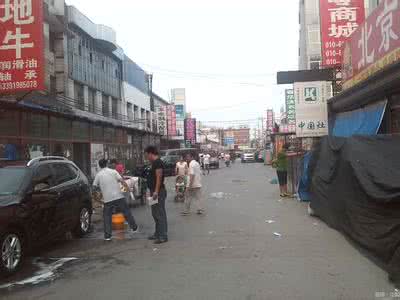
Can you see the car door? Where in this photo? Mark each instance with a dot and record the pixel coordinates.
(38, 209)
(65, 183)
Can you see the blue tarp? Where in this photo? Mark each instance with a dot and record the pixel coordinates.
(363, 121)
(304, 183)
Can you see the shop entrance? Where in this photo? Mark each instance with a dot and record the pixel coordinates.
(82, 157)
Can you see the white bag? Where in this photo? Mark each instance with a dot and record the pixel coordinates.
(151, 201)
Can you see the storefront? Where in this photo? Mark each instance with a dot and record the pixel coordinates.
(26, 134)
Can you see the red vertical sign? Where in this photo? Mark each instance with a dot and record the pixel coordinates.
(339, 19)
(375, 45)
(190, 131)
(171, 119)
(21, 46)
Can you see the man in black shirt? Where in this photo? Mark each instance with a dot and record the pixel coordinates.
(156, 185)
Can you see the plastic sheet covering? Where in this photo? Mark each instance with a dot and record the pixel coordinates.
(355, 188)
(305, 182)
(363, 121)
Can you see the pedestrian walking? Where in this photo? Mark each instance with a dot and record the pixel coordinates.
(227, 159)
(108, 180)
(280, 163)
(181, 168)
(193, 187)
(206, 160)
(158, 192)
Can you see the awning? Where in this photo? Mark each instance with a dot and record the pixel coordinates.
(363, 121)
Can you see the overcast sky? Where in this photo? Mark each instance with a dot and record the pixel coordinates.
(224, 52)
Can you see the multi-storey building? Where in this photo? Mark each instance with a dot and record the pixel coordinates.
(241, 136)
(97, 102)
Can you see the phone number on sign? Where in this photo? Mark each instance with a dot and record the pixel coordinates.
(18, 85)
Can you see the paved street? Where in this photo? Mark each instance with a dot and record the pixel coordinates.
(230, 253)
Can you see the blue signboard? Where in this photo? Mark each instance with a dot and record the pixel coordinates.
(229, 141)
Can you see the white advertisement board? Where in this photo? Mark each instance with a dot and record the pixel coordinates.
(312, 108)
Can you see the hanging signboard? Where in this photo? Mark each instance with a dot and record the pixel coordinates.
(162, 120)
(171, 120)
(339, 19)
(311, 108)
(374, 46)
(21, 46)
(190, 131)
(290, 110)
(270, 121)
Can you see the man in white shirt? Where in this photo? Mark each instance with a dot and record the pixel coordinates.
(207, 164)
(193, 187)
(109, 180)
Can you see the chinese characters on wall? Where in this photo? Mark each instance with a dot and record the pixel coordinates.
(375, 45)
(312, 108)
(290, 110)
(339, 19)
(162, 120)
(21, 45)
(171, 120)
(270, 121)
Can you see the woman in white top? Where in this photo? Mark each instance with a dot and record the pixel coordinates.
(181, 168)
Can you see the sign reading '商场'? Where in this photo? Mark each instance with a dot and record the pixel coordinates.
(339, 19)
(21, 46)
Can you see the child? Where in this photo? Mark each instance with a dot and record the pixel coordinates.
(180, 189)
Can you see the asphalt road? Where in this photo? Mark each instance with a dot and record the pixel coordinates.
(230, 253)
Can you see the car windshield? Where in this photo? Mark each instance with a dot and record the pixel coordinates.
(11, 180)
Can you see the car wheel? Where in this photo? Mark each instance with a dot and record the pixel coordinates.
(84, 223)
(11, 252)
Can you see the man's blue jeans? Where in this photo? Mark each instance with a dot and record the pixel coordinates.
(160, 216)
(108, 212)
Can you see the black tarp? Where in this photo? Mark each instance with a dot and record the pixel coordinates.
(355, 189)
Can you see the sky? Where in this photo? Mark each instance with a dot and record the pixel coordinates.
(224, 52)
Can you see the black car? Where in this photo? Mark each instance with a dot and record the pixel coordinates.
(40, 201)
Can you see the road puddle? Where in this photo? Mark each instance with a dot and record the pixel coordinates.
(37, 271)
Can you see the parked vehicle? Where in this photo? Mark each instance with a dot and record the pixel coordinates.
(248, 156)
(170, 164)
(181, 152)
(39, 201)
(214, 162)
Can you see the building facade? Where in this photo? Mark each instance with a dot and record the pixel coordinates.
(97, 102)
(178, 98)
(241, 137)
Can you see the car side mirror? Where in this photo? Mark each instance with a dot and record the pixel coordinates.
(40, 187)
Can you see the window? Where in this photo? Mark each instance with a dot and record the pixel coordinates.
(91, 57)
(11, 180)
(103, 64)
(106, 107)
(43, 175)
(79, 96)
(91, 96)
(130, 111)
(60, 128)
(80, 50)
(35, 125)
(315, 65)
(63, 173)
(80, 130)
